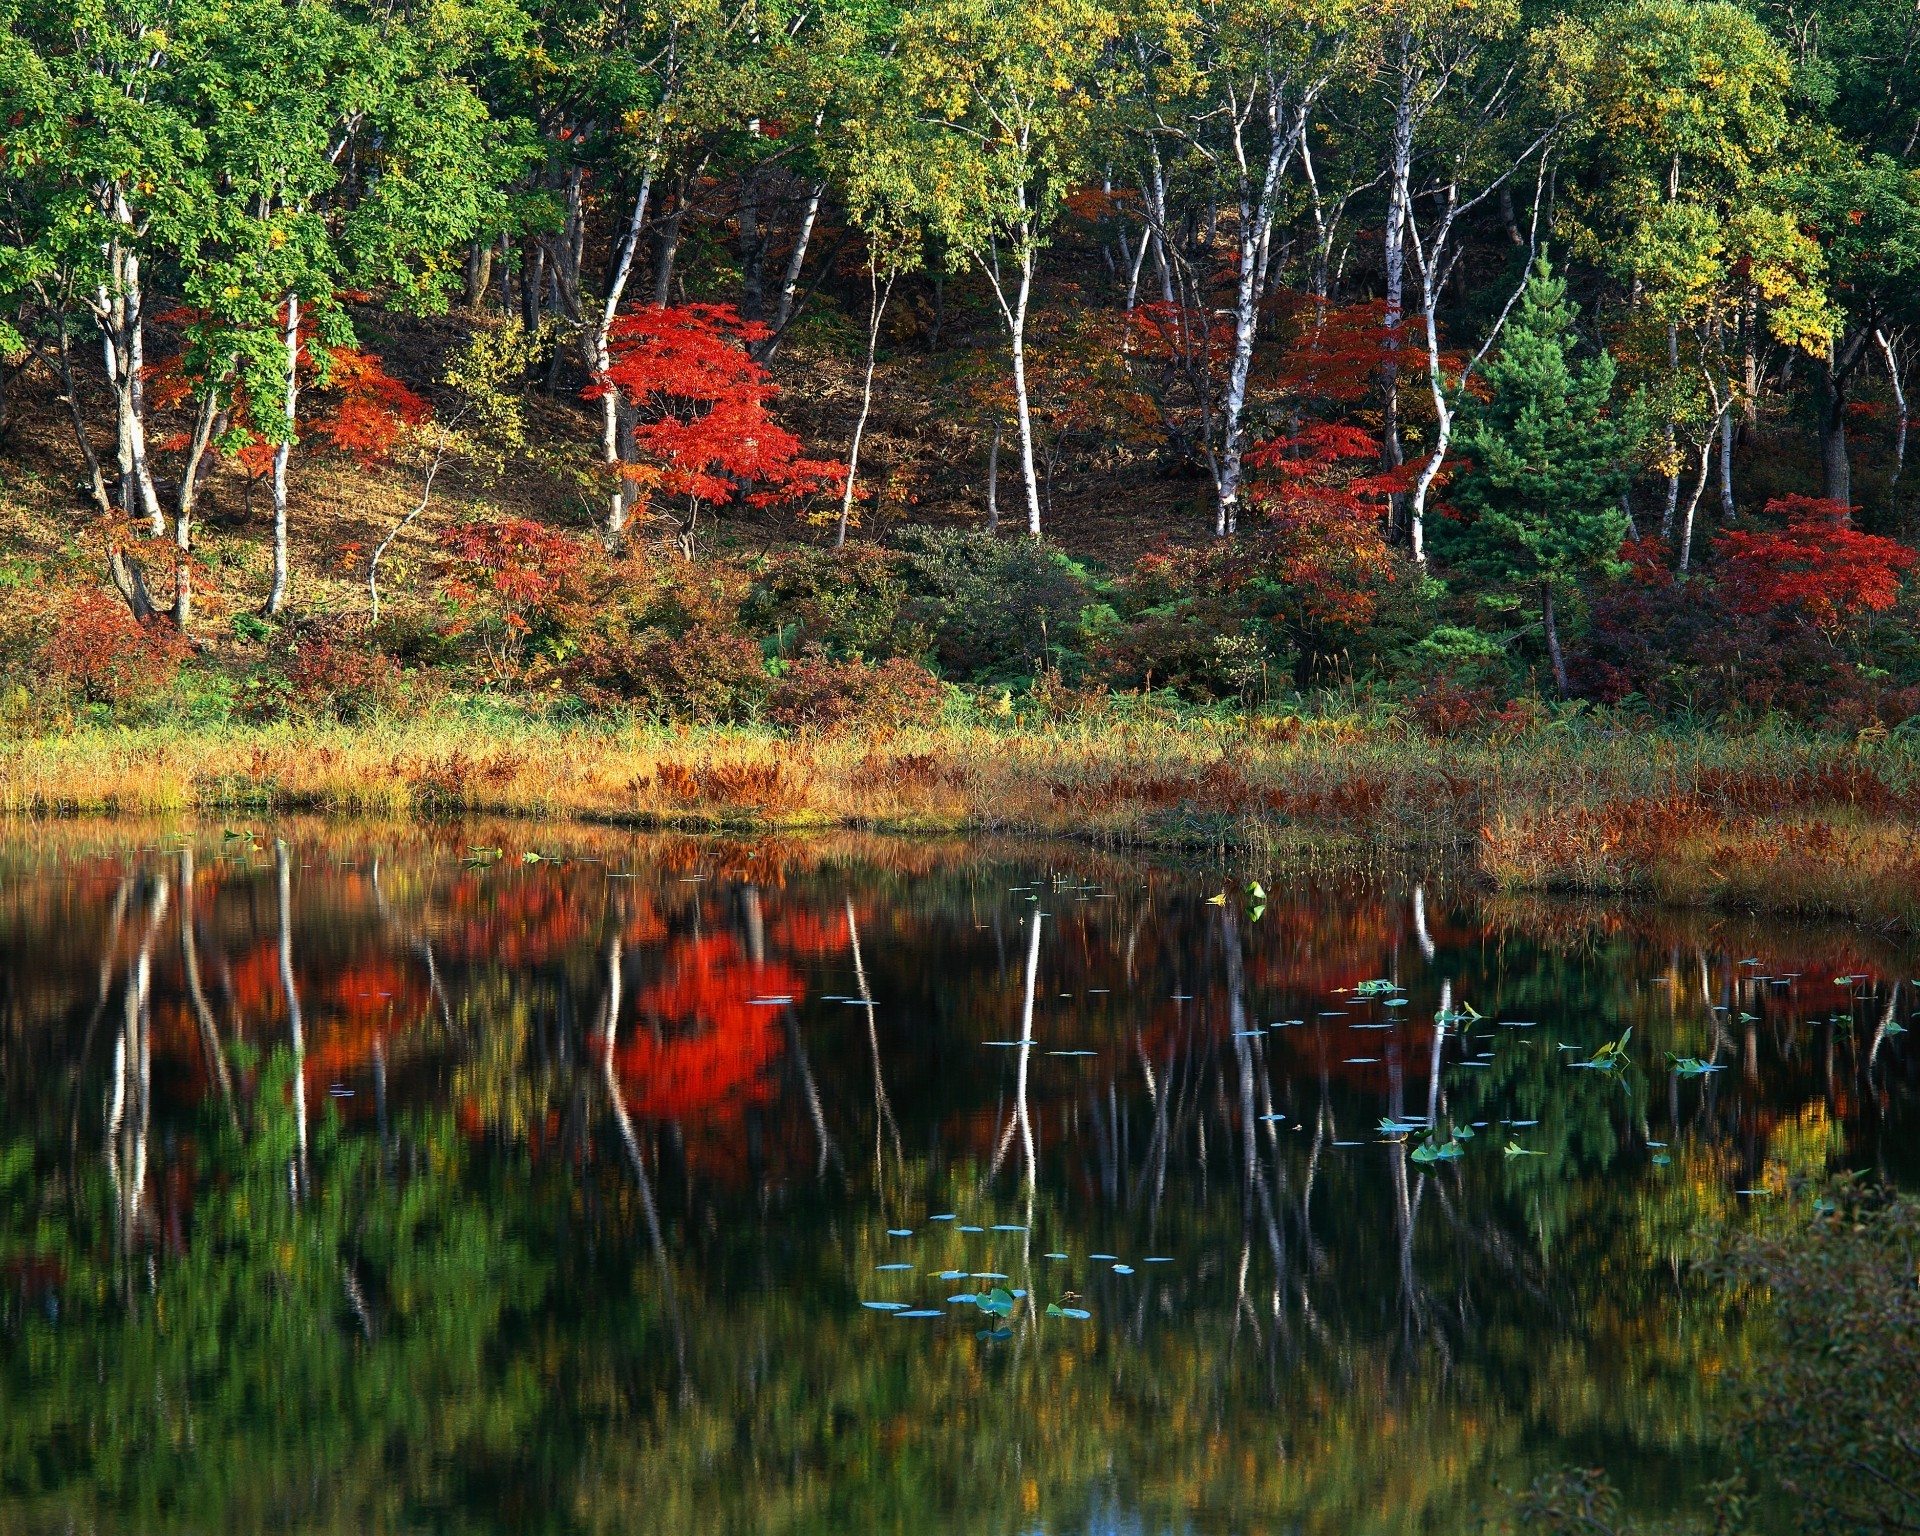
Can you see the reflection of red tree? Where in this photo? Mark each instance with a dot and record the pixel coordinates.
(516, 920)
(803, 931)
(701, 1049)
(356, 1006)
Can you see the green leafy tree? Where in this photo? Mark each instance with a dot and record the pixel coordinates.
(1541, 504)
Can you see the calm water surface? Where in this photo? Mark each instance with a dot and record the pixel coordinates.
(494, 1179)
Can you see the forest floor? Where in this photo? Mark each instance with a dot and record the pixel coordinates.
(1761, 823)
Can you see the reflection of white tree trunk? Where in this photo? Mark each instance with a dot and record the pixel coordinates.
(883, 1107)
(129, 1111)
(1886, 1019)
(1021, 1121)
(109, 953)
(1439, 1045)
(210, 1045)
(631, 1142)
(1420, 934)
(296, 1026)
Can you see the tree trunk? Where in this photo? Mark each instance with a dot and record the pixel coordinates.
(880, 297)
(1394, 256)
(598, 355)
(753, 249)
(184, 506)
(1673, 474)
(1029, 473)
(479, 273)
(1256, 222)
(1900, 410)
(96, 480)
(789, 299)
(1836, 473)
(666, 248)
(1693, 501)
(993, 479)
(1728, 512)
(1553, 638)
(119, 309)
(277, 596)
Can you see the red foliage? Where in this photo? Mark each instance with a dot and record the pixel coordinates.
(372, 410)
(703, 406)
(521, 565)
(99, 650)
(1326, 501)
(1818, 568)
(703, 1046)
(1336, 353)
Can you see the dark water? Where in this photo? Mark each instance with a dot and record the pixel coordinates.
(376, 1184)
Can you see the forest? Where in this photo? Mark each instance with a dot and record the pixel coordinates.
(1443, 373)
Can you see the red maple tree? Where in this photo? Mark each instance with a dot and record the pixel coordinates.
(1817, 569)
(704, 428)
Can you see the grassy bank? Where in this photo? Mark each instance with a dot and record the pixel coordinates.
(1771, 822)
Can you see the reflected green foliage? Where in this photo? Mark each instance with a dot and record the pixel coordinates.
(459, 1256)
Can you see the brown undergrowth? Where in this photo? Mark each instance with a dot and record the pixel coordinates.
(1762, 823)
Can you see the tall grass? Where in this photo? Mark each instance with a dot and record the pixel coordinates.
(1774, 821)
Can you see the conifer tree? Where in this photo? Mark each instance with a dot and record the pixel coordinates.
(1541, 504)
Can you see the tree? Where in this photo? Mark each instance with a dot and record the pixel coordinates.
(1685, 192)
(1004, 93)
(703, 431)
(1236, 85)
(1541, 503)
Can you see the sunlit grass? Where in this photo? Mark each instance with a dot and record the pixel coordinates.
(1768, 821)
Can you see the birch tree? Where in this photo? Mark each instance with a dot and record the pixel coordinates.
(1004, 94)
(1235, 85)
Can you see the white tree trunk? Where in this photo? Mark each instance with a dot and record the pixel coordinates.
(277, 596)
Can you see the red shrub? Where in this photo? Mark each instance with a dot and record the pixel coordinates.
(351, 680)
(824, 694)
(98, 650)
(1818, 568)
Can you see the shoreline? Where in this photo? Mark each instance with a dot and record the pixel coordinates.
(1771, 822)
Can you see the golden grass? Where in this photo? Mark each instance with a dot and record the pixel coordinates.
(1764, 823)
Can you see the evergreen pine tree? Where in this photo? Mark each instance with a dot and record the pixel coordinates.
(1541, 505)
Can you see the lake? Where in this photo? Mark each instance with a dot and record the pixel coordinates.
(497, 1177)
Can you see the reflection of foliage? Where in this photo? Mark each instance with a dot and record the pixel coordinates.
(1831, 1413)
(388, 1347)
(326, 1363)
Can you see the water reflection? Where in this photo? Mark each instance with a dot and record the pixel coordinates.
(390, 1178)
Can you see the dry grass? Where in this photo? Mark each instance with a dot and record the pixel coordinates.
(1764, 823)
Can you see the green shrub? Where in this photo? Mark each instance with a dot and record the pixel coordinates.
(997, 608)
(850, 602)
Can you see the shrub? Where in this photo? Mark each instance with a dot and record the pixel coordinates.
(1207, 622)
(703, 673)
(352, 681)
(100, 652)
(994, 606)
(516, 584)
(824, 694)
(852, 601)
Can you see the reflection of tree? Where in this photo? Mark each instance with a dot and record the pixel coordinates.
(1345, 1343)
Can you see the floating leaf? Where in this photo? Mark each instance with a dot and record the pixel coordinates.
(1514, 1149)
(883, 1306)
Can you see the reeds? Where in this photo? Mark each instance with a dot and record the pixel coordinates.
(1767, 821)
